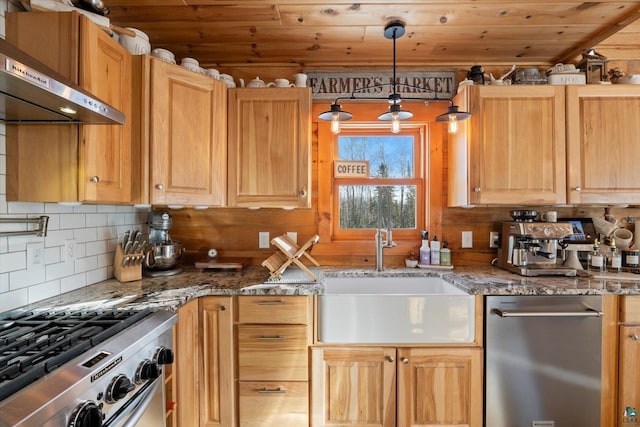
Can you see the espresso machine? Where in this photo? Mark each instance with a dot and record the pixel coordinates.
(162, 253)
(531, 248)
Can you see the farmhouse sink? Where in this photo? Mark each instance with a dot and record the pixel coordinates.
(398, 310)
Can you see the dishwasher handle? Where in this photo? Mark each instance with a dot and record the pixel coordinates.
(589, 312)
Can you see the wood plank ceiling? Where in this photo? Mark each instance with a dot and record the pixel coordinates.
(335, 33)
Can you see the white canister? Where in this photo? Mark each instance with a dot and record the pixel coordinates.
(138, 45)
(191, 64)
(164, 54)
(213, 73)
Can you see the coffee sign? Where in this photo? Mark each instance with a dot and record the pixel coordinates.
(416, 84)
(351, 169)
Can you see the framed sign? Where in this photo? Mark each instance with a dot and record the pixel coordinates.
(351, 169)
(424, 84)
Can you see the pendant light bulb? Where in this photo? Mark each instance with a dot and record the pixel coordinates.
(395, 123)
(453, 124)
(335, 124)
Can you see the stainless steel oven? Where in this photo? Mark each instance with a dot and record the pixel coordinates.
(84, 368)
(543, 361)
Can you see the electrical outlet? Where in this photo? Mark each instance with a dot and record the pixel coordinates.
(35, 256)
(293, 236)
(70, 250)
(263, 240)
(493, 239)
(467, 239)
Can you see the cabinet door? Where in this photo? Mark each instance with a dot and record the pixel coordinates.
(187, 365)
(513, 147)
(355, 387)
(217, 386)
(105, 150)
(629, 369)
(270, 147)
(603, 142)
(187, 131)
(439, 387)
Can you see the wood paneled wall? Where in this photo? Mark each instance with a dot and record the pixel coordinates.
(234, 231)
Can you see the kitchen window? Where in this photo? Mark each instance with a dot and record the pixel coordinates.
(394, 190)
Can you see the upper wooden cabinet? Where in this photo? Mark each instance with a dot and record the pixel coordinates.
(182, 135)
(89, 163)
(603, 142)
(269, 147)
(512, 150)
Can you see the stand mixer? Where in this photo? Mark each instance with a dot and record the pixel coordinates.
(162, 259)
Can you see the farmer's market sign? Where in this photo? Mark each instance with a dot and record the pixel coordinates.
(333, 85)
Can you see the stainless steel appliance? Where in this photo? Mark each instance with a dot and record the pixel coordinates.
(84, 368)
(163, 253)
(531, 248)
(31, 92)
(543, 361)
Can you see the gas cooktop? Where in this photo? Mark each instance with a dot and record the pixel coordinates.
(33, 344)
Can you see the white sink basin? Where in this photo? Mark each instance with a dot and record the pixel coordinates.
(398, 310)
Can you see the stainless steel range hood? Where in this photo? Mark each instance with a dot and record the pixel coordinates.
(31, 92)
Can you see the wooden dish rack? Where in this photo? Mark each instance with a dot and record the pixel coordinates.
(290, 253)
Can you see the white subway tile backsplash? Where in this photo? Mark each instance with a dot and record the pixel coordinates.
(57, 208)
(13, 261)
(86, 264)
(57, 237)
(106, 233)
(96, 220)
(14, 299)
(72, 283)
(25, 278)
(52, 255)
(116, 219)
(85, 209)
(72, 221)
(25, 208)
(84, 235)
(106, 208)
(4, 282)
(105, 260)
(97, 275)
(96, 248)
(44, 290)
(59, 270)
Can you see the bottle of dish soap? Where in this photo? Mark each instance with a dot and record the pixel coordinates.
(596, 258)
(445, 254)
(435, 251)
(425, 252)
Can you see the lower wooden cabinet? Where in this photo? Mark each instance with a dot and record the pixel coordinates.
(203, 372)
(628, 357)
(388, 387)
(273, 337)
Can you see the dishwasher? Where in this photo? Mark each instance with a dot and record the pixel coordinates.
(543, 361)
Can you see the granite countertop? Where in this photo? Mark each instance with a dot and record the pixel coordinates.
(171, 292)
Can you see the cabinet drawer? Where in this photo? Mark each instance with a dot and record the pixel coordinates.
(274, 309)
(276, 352)
(630, 309)
(273, 404)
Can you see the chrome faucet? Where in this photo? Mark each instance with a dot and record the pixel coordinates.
(382, 242)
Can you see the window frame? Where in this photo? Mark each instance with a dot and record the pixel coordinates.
(419, 132)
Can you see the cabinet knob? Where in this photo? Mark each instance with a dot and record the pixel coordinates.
(303, 192)
(476, 189)
(578, 189)
(159, 187)
(94, 179)
(390, 359)
(404, 360)
(223, 308)
(634, 337)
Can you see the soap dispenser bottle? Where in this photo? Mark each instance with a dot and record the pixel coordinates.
(425, 252)
(596, 258)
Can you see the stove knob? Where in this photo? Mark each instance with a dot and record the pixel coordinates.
(87, 414)
(164, 356)
(119, 387)
(147, 370)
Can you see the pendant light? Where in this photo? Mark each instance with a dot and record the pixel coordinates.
(393, 30)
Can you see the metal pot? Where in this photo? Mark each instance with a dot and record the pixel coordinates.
(163, 256)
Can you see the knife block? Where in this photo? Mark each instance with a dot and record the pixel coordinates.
(127, 273)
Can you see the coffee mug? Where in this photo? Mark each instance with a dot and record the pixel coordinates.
(605, 227)
(549, 216)
(623, 238)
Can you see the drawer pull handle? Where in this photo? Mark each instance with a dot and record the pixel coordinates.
(271, 303)
(278, 338)
(272, 391)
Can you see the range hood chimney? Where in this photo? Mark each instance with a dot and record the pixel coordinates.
(31, 92)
